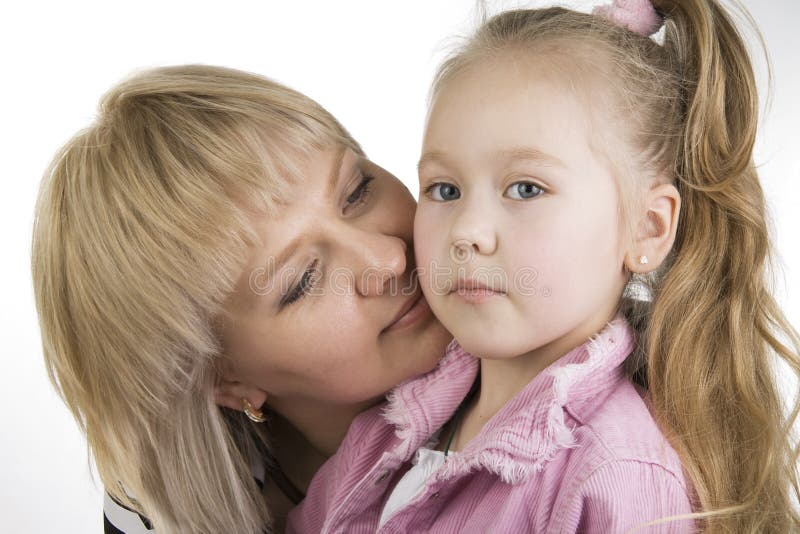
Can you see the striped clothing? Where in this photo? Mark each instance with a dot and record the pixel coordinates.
(119, 519)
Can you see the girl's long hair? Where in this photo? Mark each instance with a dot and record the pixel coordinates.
(711, 333)
(142, 228)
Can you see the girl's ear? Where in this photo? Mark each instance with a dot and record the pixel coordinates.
(231, 394)
(656, 229)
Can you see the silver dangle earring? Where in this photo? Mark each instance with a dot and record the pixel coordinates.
(638, 287)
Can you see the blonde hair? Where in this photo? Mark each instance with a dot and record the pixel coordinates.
(142, 227)
(709, 335)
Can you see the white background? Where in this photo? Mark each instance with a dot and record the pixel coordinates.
(368, 62)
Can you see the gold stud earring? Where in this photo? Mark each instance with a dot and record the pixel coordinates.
(254, 414)
(642, 259)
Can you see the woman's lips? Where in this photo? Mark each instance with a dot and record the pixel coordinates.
(415, 313)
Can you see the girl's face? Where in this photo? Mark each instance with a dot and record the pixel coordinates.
(513, 197)
(312, 310)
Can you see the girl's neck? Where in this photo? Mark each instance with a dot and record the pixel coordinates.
(502, 379)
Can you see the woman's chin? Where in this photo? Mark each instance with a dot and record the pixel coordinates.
(431, 345)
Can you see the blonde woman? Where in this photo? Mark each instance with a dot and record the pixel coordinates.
(217, 239)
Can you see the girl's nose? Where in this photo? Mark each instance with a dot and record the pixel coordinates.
(472, 232)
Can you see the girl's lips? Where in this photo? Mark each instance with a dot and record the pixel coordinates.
(477, 295)
(414, 314)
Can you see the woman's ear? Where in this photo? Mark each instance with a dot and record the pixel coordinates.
(656, 229)
(231, 394)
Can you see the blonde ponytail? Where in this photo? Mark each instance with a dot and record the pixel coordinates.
(714, 325)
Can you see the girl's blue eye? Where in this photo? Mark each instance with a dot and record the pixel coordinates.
(442, 192)
(305, 286)
(523, 190)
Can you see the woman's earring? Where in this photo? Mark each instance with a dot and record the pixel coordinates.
(254, 414)
(642, 259)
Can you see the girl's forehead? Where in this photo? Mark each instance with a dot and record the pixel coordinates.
(505, 105)
(510, 103)
(585, 78)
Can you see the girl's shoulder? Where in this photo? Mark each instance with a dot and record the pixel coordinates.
(621, 457)
(622, 429)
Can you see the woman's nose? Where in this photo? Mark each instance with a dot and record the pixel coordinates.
(378, 262)
(472, 232)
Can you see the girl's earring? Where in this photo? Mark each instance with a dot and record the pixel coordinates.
(642, 259)
(254, 414)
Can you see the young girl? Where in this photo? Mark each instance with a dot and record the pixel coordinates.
(592, 228)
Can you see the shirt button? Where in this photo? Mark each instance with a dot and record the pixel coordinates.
(382, 477)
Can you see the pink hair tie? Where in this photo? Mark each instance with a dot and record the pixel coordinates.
(638, 16)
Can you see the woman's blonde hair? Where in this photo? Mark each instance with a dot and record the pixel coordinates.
(142, 228)
(710, 332)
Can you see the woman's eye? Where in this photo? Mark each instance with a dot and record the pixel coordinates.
(523, 190)
(361, 193)
(442, 192)
(305, 286)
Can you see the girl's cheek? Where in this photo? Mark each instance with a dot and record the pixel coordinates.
(422, 237)
(422, 255)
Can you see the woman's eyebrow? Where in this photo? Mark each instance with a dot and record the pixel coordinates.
(280, 260)
(260, 282)
(336, 171)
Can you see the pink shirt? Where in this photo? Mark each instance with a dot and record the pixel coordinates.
(575, 451)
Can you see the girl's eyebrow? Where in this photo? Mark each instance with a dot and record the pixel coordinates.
(531, 154)
(431, 157)
(516, 153)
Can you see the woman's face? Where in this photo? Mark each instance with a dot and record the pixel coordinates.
(311, 315)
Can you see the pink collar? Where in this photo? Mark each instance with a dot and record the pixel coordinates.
(530, 428)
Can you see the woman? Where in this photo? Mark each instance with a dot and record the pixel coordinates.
(215, 238)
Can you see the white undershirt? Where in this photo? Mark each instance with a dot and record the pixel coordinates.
(426, 461)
